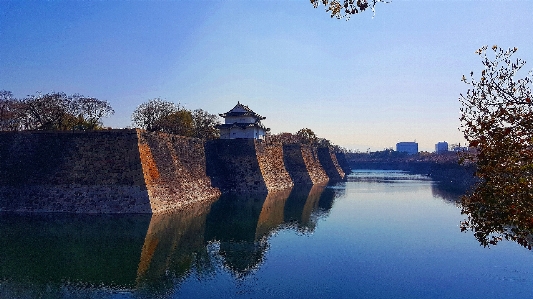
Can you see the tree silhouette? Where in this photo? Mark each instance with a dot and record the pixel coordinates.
(497, 120)
(345, 8)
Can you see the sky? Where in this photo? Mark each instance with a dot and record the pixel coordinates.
(366, 83)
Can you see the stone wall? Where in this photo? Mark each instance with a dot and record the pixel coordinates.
(303, 165)
(328, 160)
(232, 165)
(174, 169)
(246, 165)
(115, 171)
(343, 163)
(271, 163)
(134, 171)
(79, 172)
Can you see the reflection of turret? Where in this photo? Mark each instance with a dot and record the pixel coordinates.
(173, 245)
(44, 251)
(242, 223)
(232, 222)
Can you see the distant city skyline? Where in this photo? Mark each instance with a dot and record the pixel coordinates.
(369, 82)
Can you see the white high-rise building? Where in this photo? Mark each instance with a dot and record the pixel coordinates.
(407, 147)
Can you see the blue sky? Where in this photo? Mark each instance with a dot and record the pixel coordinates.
(364, 83)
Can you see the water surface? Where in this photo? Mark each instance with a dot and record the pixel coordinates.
(381, 234)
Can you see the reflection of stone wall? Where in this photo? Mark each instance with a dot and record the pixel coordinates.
(45, 251)
(173, 243)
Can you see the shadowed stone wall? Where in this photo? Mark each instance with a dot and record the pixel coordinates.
(134, 171)
(246, 165)
(116, 171)
(343, 163)
(328, 160)
(232, 165)
(78, 172)
(303, 165)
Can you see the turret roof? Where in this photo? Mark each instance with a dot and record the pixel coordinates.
(242, 110)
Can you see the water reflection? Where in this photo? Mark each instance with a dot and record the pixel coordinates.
(46, 255)
(242, 224)
(448, 192)
(42, 252)
(173, 249)
(495, 213)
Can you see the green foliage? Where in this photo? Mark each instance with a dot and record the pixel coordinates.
(204, 124)
(307, 136)
(497, 120)
(179, 122)
(52, 111)
(164, 116)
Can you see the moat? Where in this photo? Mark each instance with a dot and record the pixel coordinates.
(380, 234)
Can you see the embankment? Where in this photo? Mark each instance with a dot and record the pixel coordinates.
(134, 171)
(116, 171)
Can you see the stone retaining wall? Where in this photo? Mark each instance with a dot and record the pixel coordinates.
(303, 165)
(134, 171)
(328, 160)
(116, 171)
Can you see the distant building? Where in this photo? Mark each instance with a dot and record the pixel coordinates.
(407, 147)
(459, 148)
(441, 147)
(242, 122)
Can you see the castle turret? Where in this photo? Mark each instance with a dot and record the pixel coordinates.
(242, 122)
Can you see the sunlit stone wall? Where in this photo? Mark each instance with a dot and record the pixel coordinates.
(270, 158)
(174, 169)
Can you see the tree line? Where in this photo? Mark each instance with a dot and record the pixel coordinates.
(52, 111)
(164, 116)
(303, 136)
(58, 111)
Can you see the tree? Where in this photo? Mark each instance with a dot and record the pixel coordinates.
(497, 120)
(163, 116)
(148, 115)
(10, 117)
(345, 8)
(307, 136)
(47, 111)
(204, 124)
(52, 111)
(89, 112)
(179, 122)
